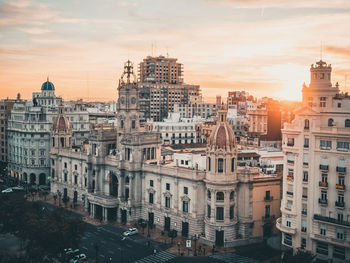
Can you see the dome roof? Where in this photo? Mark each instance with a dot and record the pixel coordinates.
(61, 124)
(222, 136)
(47, 85)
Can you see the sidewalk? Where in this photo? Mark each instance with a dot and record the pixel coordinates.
(177, 246)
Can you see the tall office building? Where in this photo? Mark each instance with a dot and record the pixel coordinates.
(315, 212)
(162, 86)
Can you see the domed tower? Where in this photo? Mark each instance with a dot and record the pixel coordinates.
(61, 133)
(221, 183)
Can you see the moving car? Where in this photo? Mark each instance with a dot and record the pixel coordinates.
(8, 190)
(78, 258)
(130, 232)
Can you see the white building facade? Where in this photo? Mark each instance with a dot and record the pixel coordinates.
(315, 206)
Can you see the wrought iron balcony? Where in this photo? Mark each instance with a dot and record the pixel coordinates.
(289, 193)
(323, 167)
(323, 184)
(290, 144)
(290, 177)
(323, 201)
(331, 220)
(304, 212)
(268, 198)
(340, 186)
(339, 204)
(341, 169)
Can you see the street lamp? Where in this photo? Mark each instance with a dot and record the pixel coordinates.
(195, 238)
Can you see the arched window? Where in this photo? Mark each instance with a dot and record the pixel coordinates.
(306, 124)
(209, 194)
(232, 196)
(62, 142)
(220, 165)
(347, 123)
(220, 197)
(127, 180)
(209, 163)
(330, 122)
(232, 164)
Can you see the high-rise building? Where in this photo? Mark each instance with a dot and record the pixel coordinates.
(315, 208)
(161, 87)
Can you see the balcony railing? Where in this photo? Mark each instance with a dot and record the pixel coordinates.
(323, 201)
(289, 193)
(290, 161)
(339, 204)
(306, 146)
(323, 184)
(331, 220)
(304, 196)
(341, 169)
(290, 177)
(303, 229)
(304, 212)
(268, 198)
(323, 167)
(340, 186)
(290, 144)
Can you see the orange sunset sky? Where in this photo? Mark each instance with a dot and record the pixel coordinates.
(263, 47)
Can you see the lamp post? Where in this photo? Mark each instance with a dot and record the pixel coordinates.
(195, 238)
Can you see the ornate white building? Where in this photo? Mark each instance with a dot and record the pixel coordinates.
(119, 176)
(29, 129)
(315, 206)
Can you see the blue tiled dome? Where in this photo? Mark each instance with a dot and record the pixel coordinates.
(47, 86)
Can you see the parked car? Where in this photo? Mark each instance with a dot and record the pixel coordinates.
(78, 258)
(130, 232)
(6, 191)
(18, 188)
(44, 187)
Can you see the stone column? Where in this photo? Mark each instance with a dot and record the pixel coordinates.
(120, 189)
(176, 194)
(227, 205)
(131, 187)
(159, 191)
(212, 204)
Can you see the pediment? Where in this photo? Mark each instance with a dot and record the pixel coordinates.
(305, 110)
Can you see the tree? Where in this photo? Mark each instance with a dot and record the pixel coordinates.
(301, 256)
(143, 224)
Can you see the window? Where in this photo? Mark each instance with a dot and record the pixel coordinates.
(209, 194)
(304, 209)
(185, 206)
(65, 165)
(339, 252)
(290, 142)
(323, 102)
(340, 216)
(343, 146)
(185, 190)
(151, 183)
(75, 167)
(341, 180)
(220, 213)
(167, 186)
(303, 242)
(305, 176)
(323, 195)
(340, 234)
(231, 212)
(65, 177)
(306, 142)
(122, 124)
(167, 201)
(306, 159)
(325, 145)
(303, 225)
(209, 211)
(220, 197)
(304, 194)
(232, 164)
(209, 164)
(220, 165)
(232, 196)
(306, 124)
(288, 223)
(290, 158)
(75, 179)
(287, 239)
(330, 122)
(267, 211)
(323, 229)
(127, 180)
(267, 195)
(347, 123)
(339, 105)
(322, 248)
(150, 197)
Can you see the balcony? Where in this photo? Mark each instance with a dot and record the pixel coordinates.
(331, 220)
(283, 228)
(268, 219)
(303, 229)
(323, 167)
(340, 187)
(304, 212)
(304, 196)
(323, 184)
(290, 144)
(341, 169)
(268, 198)
(289, 193)
(290, 161)
(322, 201)
(340, 204)
(290, 178)
(306, 146)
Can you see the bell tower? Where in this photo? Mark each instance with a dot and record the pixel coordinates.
(128, 101)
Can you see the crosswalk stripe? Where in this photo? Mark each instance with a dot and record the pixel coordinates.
(160, 257)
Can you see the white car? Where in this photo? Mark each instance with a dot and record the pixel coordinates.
(78, 258)
(8, 190)
(18, 188)
(70, 251)
(130, 232)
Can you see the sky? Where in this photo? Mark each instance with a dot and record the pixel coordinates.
(265, 47)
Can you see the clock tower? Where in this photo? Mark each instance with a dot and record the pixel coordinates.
(128, 102)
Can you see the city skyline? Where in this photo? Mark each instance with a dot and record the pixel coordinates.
(263, 47)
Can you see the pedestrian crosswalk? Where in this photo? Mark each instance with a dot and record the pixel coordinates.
(228, 258)
(160, 257)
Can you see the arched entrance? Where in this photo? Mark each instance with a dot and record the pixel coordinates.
(32, 178)
(25, 177)
(113, 185)
(42, 179)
